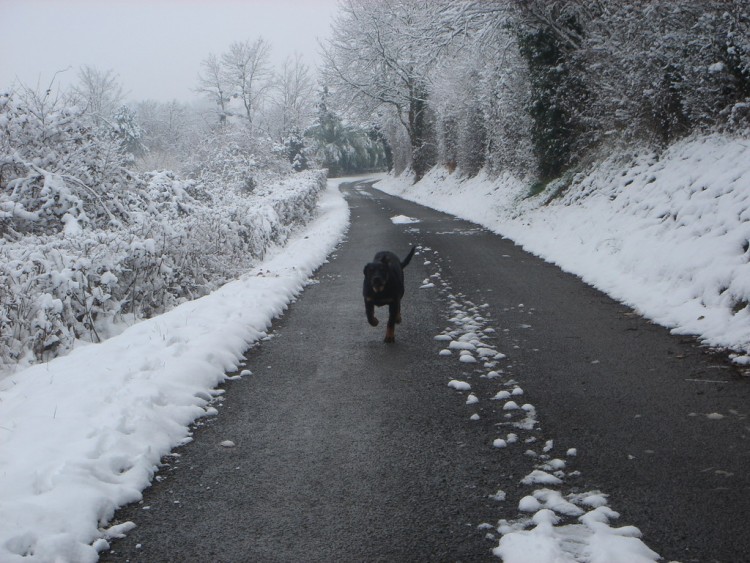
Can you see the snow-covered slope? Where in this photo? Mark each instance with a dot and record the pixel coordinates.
(667, 234)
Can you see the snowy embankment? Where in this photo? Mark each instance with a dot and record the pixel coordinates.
(83, 434)
(669, 235)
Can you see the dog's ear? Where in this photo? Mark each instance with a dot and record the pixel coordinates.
(367, 269)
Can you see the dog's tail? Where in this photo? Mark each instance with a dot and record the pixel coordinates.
(405, 261)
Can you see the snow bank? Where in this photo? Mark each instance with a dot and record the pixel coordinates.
(83, 434)
(667, 234)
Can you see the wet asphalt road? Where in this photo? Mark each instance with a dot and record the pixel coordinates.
(348, 449)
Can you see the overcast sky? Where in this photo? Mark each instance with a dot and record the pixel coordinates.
(155, 46)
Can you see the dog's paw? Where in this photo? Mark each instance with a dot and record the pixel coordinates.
(373, 321)
(390, 335)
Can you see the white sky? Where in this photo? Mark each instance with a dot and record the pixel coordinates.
(155, 46)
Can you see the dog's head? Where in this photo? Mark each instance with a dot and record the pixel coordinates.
(376, 276)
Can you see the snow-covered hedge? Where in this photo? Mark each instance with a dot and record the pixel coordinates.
(86, 244)
(59, 289)
(58, 170)
(56, 289)
(235, 161)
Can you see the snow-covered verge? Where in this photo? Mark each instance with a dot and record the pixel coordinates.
(184, 241)
(83, 434)
(668, 233)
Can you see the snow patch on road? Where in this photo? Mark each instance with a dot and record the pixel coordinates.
(403, 220)
(592, 541)
(459, 385)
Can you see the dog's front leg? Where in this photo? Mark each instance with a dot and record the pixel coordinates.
(394, 315)
(370, 312)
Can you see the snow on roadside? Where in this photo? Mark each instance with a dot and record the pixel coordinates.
(83, 434)
(667, 234)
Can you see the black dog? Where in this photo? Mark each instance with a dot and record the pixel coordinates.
(384, 285)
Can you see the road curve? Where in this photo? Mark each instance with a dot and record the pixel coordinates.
(349, 449)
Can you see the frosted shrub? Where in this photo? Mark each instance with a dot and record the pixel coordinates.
(231, 159)
(86, 245)
(57, 170)
(55, 290)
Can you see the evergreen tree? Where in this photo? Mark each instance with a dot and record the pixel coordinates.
(551, 130)
(295, 148)
(127, 129)
(344, 149)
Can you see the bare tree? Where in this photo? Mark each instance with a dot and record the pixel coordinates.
(293, 97)
(212, 82)
(248, 73)
(170, 132)
(99, 91)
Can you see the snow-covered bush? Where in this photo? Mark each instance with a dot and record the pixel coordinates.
(87, 244)
(233, 159)
(56, 290)
(55, 169)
